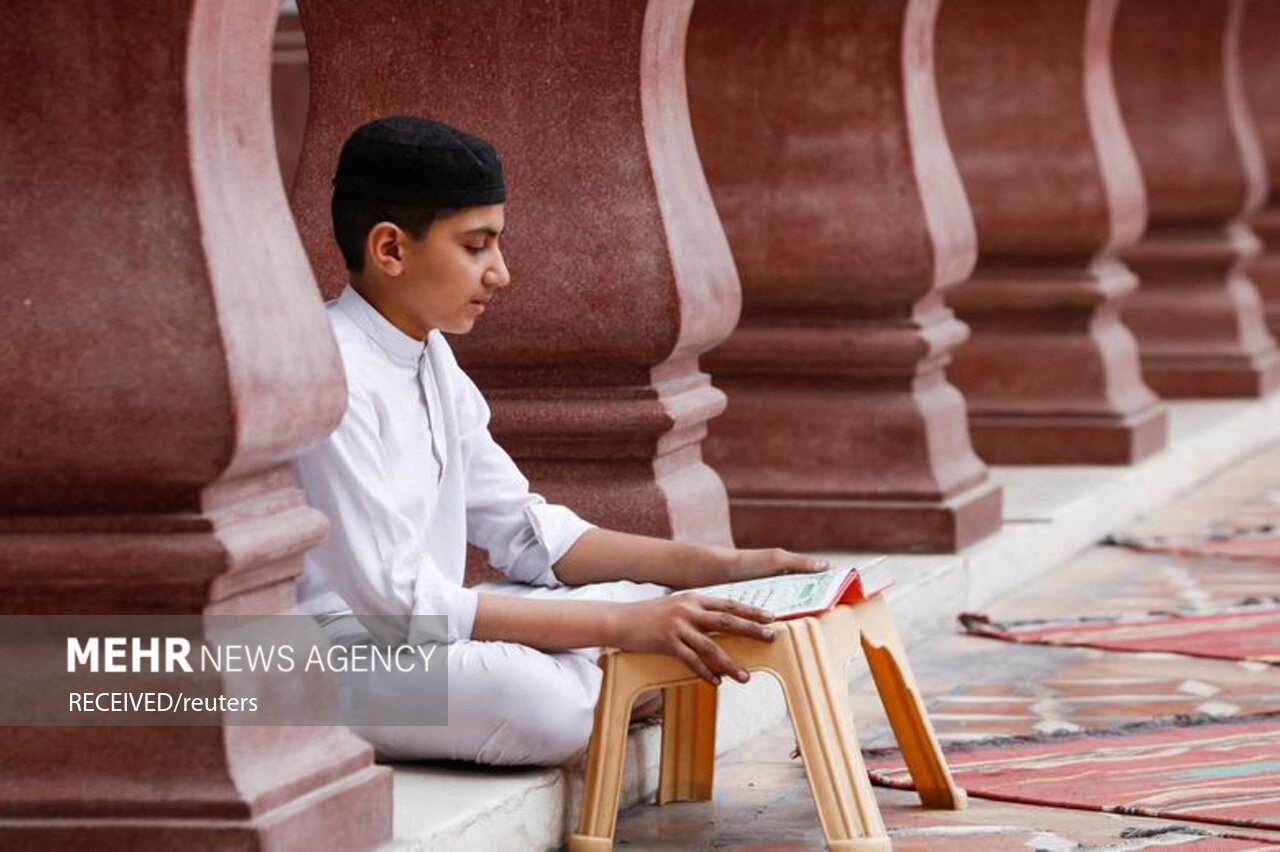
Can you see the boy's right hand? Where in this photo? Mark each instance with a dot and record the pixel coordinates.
(678, 625)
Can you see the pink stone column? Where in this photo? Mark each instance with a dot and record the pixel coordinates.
(818, 126)
(1260, 58)
(163, 355)
(1197, 316)
(622, 276)
(1051, 374)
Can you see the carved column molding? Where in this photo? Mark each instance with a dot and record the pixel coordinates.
(622, 273)
(163, 356)
(818, 126)
(1260, 59)
(1051, 374)
(1197, 316)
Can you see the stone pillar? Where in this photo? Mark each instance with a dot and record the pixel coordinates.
(1260, 58)
(1197, 316)
(1051, 374)
(622, 276)
(818, 125)
(162, 357)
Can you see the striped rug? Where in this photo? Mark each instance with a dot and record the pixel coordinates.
(1258, 545)
(1250, 530)
(1189, 768)
(1248, 630)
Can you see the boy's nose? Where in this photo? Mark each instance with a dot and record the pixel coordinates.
(499, 275)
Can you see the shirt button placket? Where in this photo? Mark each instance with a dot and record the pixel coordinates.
(424, 378)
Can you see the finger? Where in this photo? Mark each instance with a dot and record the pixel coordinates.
(726, 622)
(714, 656)
(796, 563)
(690, 658)
(741, 610)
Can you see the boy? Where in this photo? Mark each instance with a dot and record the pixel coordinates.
(412, 474)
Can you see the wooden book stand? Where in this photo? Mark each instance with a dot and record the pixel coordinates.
(803, 657)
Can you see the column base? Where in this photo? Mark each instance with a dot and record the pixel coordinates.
(1217, 378)
(893, 525)
(1063, 439)
(1265, 271)
(353, 812)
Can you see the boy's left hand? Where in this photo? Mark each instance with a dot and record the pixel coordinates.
(764, 562)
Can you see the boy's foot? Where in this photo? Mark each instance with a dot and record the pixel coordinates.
(648, 707)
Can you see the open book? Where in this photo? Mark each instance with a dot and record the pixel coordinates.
(797, 595)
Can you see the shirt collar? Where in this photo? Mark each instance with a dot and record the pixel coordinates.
(398, 345)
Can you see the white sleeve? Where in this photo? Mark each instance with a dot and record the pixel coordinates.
(371, 557)
(523, 533)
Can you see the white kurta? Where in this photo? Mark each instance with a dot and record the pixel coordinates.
(409, 476)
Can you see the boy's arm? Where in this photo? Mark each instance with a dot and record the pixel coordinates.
(534, 542)
(600, 555)
(522, 534)
(374, 564)
(677, 625)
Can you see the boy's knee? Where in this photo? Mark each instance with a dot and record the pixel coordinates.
(549, 718)
(559, 736)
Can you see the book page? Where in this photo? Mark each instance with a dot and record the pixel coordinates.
(785, 594)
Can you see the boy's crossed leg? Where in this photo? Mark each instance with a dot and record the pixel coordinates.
(509, 704)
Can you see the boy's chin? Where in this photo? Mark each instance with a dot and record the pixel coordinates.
(460, 326)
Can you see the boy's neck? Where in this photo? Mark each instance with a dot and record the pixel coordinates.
(374, 294)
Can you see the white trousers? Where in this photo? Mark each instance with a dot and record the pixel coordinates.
(509, 704)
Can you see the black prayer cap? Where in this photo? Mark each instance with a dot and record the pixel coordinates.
(407, 159)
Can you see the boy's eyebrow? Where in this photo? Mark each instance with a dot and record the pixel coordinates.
(484, 229)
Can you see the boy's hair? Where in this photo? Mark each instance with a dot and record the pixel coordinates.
(409, 171)
(354, 216)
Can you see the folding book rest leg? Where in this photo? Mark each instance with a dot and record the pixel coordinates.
(818, 702)
(905, 709)
(603, 781)
(625, 677)
(688, 743)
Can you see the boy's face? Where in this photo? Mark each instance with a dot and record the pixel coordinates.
(444, 280)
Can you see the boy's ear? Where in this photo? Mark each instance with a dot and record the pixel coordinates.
(384, 247)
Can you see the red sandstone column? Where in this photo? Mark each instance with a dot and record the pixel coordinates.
(1197, 316)
(162, 357)
(819, 129)
(1260, 57)
(1051, 374)
(622, 273)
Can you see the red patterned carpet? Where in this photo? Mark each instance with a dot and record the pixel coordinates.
(1246, 631)
(1226, 773)
(1248, 530)
(1252, 545)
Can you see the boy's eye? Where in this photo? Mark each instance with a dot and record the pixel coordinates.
(475, 249)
